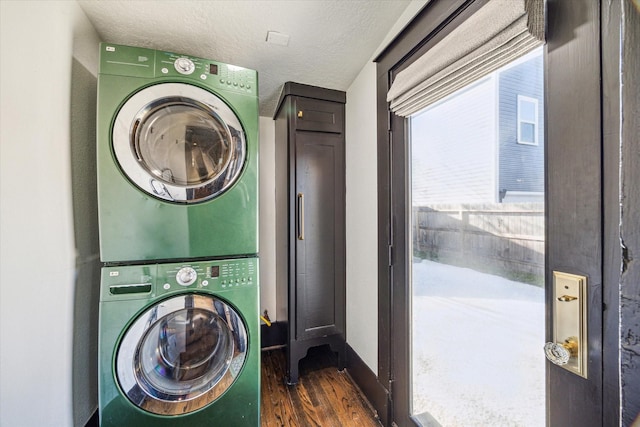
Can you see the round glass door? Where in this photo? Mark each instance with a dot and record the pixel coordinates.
(181, 354)
(179, 143)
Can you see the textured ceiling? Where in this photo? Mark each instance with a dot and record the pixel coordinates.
(331, 40)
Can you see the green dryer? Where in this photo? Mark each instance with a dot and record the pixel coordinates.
(179, 344)
(177, 156)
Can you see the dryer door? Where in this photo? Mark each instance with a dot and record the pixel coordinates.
(181, 354)
(179, 143)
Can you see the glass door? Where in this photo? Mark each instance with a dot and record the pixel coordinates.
(477, 226)
(458, 225)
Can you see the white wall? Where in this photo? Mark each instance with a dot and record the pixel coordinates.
(38, 42)
(362, 207)
(362, 217)
(267, 217)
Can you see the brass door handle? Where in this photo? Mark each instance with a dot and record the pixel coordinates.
(300, 216)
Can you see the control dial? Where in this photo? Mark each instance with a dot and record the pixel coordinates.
(184, 65)
(186, 276)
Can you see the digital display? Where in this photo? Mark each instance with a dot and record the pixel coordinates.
(215, 271)
(213, 69)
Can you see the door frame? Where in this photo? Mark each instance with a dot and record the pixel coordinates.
(576, 29)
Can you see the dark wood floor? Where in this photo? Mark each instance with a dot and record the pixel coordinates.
(323, 397)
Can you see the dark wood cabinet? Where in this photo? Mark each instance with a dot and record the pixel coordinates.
(310, 220)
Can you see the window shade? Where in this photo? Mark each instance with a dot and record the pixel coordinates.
(499, 32)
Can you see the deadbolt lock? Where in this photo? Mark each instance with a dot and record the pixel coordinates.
(569, 347)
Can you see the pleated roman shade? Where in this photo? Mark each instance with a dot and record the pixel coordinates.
(499, 32)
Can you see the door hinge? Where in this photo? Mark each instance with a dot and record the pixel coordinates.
(390, 255)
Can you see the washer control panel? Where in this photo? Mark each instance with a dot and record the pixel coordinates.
(148, 63)
(129, 282)
(215, 74)
(213, 275)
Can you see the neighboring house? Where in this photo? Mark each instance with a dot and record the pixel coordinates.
(497, 155)
(521, 131)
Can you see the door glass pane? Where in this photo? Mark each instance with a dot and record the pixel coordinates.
(182, 143)
(188, 350)
(477, 267)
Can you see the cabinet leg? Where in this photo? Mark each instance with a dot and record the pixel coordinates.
(342, 360)
(298, 350)
(292, 376)
(294, 354)
(341, 349)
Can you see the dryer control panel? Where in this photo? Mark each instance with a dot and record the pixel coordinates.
(135, 281)
(148, 63)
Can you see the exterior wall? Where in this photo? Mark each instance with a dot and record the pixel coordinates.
(521, 166)
(453, 148)
(630, 218)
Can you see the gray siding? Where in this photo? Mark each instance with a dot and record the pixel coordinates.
(521, 166)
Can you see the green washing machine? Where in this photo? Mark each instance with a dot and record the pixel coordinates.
(177, 157)
(179, 344)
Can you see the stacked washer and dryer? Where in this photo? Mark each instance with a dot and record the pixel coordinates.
(177, 153)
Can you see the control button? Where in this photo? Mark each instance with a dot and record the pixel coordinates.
(184, 65)
(222, 81)
(166, 286)
(248, 86)
(241, 84)
(205, 283)
(186, 276)
(164, 71)
(228, 82)
(203, 76)
(235, 83)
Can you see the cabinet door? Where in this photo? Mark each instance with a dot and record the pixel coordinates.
(319, 224)
(320, 116)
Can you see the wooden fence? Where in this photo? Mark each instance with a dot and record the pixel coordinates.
(500, 238)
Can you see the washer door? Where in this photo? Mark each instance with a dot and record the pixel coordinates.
(181, 354)
(179, 143)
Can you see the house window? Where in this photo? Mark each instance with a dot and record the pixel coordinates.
(527, 120)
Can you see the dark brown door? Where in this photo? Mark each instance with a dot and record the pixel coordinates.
(319, 230)
(574, 196)
(576, 217)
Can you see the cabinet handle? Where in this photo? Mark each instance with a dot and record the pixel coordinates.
(300, 216)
